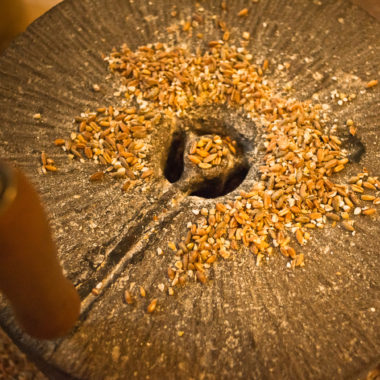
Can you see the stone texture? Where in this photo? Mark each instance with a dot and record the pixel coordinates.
(248, 322)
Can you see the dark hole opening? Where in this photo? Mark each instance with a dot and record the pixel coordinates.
(217, 187)
(355, 147)
(174, 163)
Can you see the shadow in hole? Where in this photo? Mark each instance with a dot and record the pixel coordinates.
(218, 187)
(174, 163)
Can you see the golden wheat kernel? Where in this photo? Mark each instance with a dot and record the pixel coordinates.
(186, 26)
(372, 83)
(51, 168)
(194, 159)
(152, 306)
(369, 211)
(354, 198)
(338, 168)
(128, 297)
(333, 216)
(142, 292)
(243, 12)
(43, 158)
(369, 185)
(172, 246)
(298, 260)
(97, 176)
(59, 142)
(366, 197)
(146, 173)
(357, 188)
(353, 130)
(372, 180)
(204, 211)
(201, 277)
(348, 226)
(96, 87)
(299, 236)
(226, 35)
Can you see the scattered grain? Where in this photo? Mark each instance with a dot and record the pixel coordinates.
(51, 168)
(295, 190)
(369, 211)
(128, 297)
(246, 35)
(98, 176)
(243, 12)
(366, 197)
(372, 83)
(152, 306)
(59, 142)
(348, 225)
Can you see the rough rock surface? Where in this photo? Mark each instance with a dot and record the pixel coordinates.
(248, 321)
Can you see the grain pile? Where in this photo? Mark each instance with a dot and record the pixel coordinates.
(211, 150)
(295, 192)
(113, 137)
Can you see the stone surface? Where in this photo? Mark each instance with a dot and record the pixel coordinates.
(248, 321)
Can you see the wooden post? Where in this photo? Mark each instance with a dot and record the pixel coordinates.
(44, 301)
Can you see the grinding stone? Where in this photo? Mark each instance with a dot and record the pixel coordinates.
(247, 322)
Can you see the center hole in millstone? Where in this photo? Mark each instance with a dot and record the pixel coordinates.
(219, 163)
(209, 154)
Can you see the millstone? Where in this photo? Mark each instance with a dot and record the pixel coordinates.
(247, 321)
